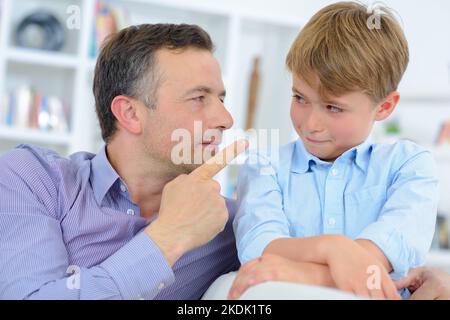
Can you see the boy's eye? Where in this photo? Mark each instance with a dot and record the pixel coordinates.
(334, 109)
(299, 99)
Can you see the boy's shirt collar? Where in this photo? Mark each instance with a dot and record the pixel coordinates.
(302, 159)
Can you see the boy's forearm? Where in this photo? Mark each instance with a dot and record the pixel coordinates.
(375, 251)
(317, 249)
(310, 249)
(316, 274)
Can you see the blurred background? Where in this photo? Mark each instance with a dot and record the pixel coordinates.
(48, 50)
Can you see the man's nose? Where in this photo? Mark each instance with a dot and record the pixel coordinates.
(221, 118)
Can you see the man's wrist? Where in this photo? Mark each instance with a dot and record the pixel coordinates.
(170, 246)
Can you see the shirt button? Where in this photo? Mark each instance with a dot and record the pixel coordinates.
(130, 212)
(334, 172)
(331, 221)
(123, 188)
(161, 286)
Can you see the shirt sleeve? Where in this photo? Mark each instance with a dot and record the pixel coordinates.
(405, 227)
(260, 218)
(34, 262)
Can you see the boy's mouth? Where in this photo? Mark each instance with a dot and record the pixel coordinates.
(314, 141)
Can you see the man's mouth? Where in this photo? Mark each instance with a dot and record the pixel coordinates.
(211, 143)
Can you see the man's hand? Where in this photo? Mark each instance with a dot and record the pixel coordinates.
(271, 267)
(351, 266)
(427, 284)
(192, 211)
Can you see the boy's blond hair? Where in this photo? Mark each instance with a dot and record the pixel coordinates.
(349, 48)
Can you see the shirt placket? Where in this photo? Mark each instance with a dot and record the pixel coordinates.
(131, 209)
(333, 213)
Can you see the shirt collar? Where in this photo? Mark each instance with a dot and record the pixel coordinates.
(302, 159)
(362, 155)
(103, 175)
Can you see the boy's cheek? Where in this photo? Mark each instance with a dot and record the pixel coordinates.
(296, 119)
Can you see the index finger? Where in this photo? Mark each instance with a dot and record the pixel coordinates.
(213, 166)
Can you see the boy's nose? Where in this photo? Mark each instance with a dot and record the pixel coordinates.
(313, 122)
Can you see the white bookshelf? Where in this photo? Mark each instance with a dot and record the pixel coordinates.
(34, 136)
(238, 35)
(51, 59)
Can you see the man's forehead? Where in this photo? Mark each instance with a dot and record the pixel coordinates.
(186, 57)
(195, 69)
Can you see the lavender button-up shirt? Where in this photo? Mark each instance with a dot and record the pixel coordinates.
(69, 230)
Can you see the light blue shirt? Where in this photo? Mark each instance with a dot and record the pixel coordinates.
(384, 193)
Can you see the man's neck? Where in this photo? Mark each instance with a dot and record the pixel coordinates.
(145, 179)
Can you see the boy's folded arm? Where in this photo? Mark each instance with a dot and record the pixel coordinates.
(316, 249)
(308, 249)
(404, 229)
(260, 218)
(376, 252)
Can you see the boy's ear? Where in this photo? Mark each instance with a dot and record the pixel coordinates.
(387, 106)
(125, 109)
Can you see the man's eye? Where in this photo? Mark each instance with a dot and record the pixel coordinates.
(199, 98)
(299, 99)
(334, 109)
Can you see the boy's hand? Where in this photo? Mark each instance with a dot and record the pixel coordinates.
(275, 268)
(354, 270)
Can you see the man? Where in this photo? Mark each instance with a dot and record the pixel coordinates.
(426, 284)
(127, 223)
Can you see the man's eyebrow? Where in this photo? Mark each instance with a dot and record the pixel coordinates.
(203, 89)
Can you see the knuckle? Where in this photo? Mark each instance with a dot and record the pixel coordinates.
(216, 186)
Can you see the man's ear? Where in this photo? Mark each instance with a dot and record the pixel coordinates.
(387, 106)
(125, 109)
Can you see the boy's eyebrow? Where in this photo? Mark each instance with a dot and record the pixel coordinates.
(203, 89)
(298, 91)
(337, 103)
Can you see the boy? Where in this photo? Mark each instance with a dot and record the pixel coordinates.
(335, 206)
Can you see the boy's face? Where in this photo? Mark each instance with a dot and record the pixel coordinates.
(329, 128)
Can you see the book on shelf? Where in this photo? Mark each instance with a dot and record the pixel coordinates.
(108, 19)
(25, 108)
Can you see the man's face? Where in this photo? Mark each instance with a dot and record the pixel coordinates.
(329, 128)
(191, 92)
